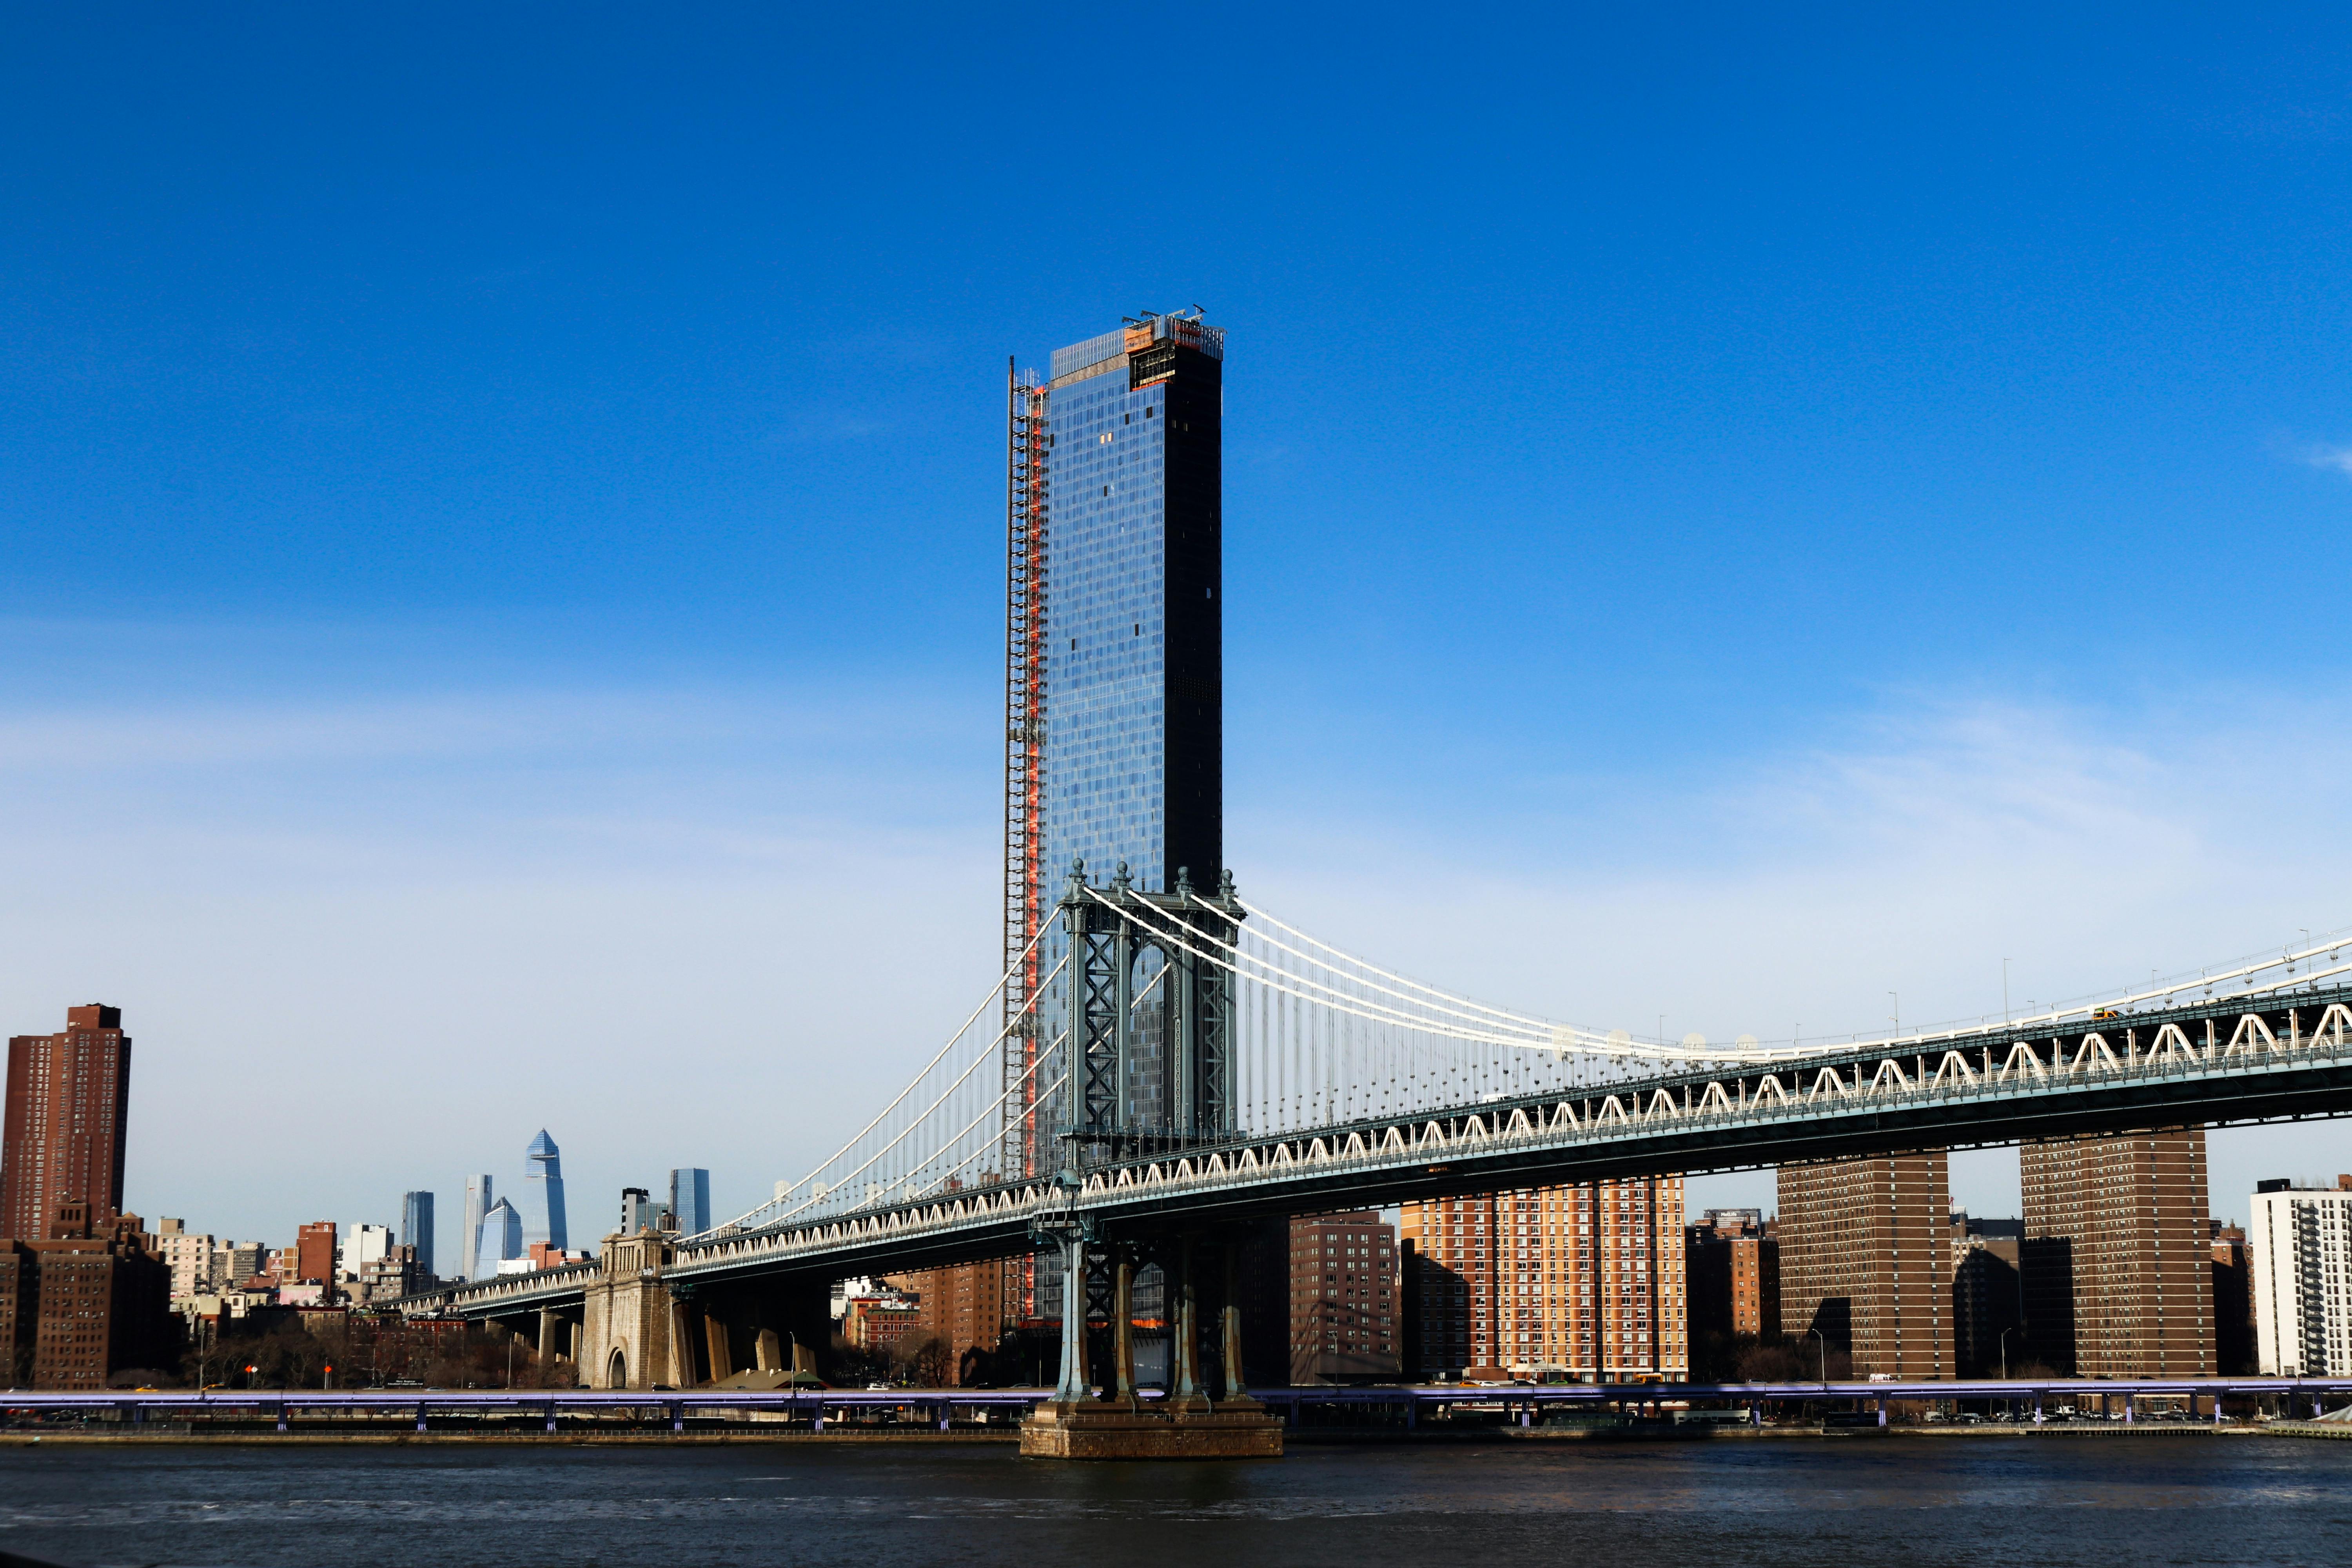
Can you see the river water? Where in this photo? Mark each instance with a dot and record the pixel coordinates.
(2008, 1501)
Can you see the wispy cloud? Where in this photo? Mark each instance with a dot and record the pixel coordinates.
(2338, 458)
(531, 898)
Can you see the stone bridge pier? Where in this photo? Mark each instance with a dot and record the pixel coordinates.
(641, 1327)
(1208, 1413)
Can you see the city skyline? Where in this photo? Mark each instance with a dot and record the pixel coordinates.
(1753, 586)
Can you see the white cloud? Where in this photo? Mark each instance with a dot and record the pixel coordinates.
(2324, 457)
(2085, 847)
(376, 945)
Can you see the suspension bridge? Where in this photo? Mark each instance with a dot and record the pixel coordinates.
(1154, 1068)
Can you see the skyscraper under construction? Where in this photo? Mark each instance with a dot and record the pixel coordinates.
(1114, 648)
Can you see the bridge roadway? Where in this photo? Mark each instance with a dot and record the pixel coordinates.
(2277, 1056)
(1521, 1402)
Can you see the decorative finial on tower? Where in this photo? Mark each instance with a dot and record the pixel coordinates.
(1077, 876)
(1225, 885)
(1184, 881)
(1121, 882)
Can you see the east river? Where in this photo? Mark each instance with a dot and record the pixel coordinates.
(1992, 1501)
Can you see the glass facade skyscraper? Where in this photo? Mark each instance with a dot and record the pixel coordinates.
(689, 1200)
(1116, 677)
(501, 1239)
(545, 1162)
(416, 1226)
(1134, 707)
(1133, 685)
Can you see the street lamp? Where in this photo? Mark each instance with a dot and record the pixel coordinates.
(2004, 1349)
(1825, 1358)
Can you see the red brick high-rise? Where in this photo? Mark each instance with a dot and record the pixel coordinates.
(964, 1307)
(1583, 1281)
(1345, 1312)
(1865, 1259)
(2117, 1267)
(314, 1252)
(67, 1109)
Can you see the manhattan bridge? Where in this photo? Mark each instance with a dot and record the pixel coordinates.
(1162, 1062)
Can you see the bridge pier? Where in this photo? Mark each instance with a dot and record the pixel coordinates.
(628, 1316)
(1188, 1423)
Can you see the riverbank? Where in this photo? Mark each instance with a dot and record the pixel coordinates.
(155, 1434)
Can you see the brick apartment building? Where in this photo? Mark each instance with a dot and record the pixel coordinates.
(2233, 1303)
(1733, 1262)
(2116, 1265)
(1345, 1312)
(83, 1303)
(1865, 1259)
(1988, 1301)
(63, 1131)
(314, 1253)
(964, 1307)
(1584, 1282)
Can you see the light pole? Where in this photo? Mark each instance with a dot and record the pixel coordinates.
(2004, 1349)
(1825, 1358)
(1898, 1010)
(2004, 991)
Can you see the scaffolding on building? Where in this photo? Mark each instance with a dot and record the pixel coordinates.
(1026, 448)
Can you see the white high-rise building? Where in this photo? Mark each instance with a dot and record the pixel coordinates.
(361, 1244)
(469, 1239)
(189, 1257)
(2299, 1248)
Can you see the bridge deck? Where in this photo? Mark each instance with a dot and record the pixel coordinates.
(2284, 1057)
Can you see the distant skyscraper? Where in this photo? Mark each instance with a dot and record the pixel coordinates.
(689, 1200)
(67, 1115)
(547, 1168)
(478, 1198)
(416, 1226)
(501, 1239)
(636, 1210)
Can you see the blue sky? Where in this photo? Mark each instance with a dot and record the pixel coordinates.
(1729, 515)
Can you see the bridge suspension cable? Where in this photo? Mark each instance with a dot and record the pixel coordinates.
(1316, 1037)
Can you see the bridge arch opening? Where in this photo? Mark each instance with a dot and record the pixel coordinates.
(616, 1371)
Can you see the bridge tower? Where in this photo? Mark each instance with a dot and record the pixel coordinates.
(1150, 1043)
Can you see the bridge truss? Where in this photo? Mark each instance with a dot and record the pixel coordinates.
(2283, 1054)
